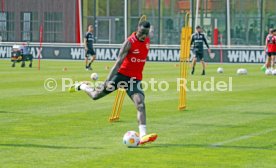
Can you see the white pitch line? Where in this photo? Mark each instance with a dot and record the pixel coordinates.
(243, 137)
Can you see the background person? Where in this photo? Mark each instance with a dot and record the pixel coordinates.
(270, 48)
(26, 55)
(198, 38)
(90, 54)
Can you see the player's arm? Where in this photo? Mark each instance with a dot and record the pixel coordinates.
(192, 40)
(265, 44)
(151, 31)
(85, 42)
(205, 41)
(122, 55)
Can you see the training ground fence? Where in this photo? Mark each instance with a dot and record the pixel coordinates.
(157, 53)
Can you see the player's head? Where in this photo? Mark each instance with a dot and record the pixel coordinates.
(198, 29)
(274, 32)
(143, 30)
(270, 30)
(90, 28)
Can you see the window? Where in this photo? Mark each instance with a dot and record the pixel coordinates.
(3, 26)
(53, 27)
(29, 26)
(26, 31)
(7, 27)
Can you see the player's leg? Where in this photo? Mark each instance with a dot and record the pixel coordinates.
(273, 61)
(102, 90)
(23, 60)
(193, 64)
(200, 57)
(194, 61)
(203, 67)
(88, 56)
(95, 93)
(13, 63)
(136, 94)
(31, 63)
(139, 102)
(23, 64)
(30, 58)
(86, 61)
(268, 61)
(92, 58)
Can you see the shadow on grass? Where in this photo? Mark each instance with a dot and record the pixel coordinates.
(216, 125)
(9, 112)
(260, 113)
(47, 146)
(270, 147)
(117, 121)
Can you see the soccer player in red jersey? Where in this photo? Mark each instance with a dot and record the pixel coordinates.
(271, 48)
(127, 74)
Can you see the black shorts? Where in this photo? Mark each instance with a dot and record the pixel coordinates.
(271, 54)
(131, 85)
(198, 54)
(90, 52)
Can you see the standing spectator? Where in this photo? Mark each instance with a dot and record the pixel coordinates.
(88, 44)
(197, 41)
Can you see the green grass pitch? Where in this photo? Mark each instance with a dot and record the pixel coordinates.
(42, 129)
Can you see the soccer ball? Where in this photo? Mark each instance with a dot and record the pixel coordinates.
(220, 70)
(274, 72)
(268, 72)
(94, 76)
(131, 139)
(241, 71)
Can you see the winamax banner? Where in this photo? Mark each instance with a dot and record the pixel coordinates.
(156, 53)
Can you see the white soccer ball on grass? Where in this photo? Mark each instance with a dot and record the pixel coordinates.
(274, 72)
(268, 72)
(242, 71)
(220, 70)
(131, 139)
(94, 76)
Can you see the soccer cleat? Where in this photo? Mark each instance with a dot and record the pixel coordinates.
(148, 138)
(88, 68)
(203, 72)
(75, 87)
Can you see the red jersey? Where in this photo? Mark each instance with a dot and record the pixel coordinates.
(271, 43)
(135, 60)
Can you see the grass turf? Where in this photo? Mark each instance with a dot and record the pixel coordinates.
(43, 129)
